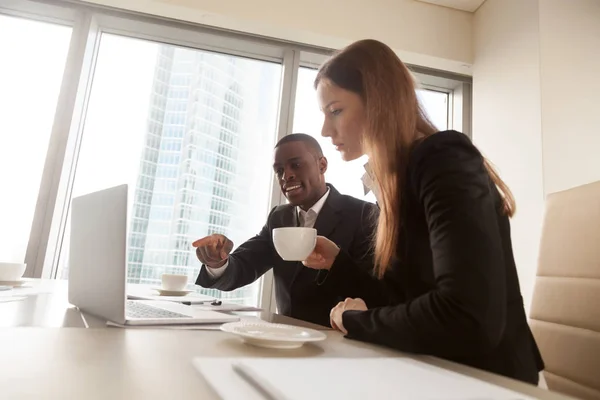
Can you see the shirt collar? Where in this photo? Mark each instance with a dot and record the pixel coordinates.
(316, 208)
(369, 184)
(367, 179)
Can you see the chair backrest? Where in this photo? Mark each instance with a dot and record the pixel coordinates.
(565, 311)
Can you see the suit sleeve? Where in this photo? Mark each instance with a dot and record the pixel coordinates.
(245, 265)
(464, 314)
(351, 274)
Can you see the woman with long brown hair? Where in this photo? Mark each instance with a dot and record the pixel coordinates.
(443, 247)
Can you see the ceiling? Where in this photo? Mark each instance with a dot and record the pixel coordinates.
(465, 5)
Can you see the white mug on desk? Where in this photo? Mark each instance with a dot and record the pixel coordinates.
(294, 243)
(11, 271)
(174, 282)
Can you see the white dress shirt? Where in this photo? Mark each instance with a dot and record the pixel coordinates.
(369, 184)
(306, 219)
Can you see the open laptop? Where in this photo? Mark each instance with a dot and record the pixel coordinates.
(98, 267)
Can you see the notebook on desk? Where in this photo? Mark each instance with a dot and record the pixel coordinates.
(342, 378)
(98, 267)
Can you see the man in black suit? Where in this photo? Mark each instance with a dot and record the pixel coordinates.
(301, 292)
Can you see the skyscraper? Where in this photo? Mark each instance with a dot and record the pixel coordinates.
(199, 163)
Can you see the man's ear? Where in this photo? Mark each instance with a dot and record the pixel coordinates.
(322, 164)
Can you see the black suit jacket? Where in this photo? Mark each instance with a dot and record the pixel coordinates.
(302, 292)
(455, 281)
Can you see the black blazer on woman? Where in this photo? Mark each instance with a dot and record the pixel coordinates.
(454, 283)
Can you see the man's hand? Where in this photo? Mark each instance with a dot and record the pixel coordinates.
(213, 250)
(323, 255)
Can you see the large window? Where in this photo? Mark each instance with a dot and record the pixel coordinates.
(33, 58)
(186, 115)
(191, 132)
(346, 176)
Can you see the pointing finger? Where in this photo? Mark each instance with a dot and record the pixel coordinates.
(205, 241)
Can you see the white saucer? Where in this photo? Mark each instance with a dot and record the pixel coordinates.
(175, 293)
(17, 283)
(273, 336)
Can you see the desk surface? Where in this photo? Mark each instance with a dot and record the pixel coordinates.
(114, 363)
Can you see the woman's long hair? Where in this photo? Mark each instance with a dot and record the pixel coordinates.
(394, 121)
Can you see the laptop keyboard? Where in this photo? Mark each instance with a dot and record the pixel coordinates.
(135, 309)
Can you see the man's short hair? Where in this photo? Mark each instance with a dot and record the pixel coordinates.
(310, 141)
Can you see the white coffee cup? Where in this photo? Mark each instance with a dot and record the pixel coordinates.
(294, 243)
(174, 282)
(10, 272)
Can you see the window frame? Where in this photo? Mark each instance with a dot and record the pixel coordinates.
(89, 22)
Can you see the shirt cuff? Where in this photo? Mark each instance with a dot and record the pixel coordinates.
(216, 272)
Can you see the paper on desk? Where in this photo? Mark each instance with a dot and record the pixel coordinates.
(191, 327)
(144, 292)
(348, 378)
(224, 307)
(224, 381)
(203, 327)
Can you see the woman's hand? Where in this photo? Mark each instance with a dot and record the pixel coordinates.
(323, 255)
(335, 317)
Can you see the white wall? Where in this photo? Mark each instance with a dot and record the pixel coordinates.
(507, 116)
(570, 76)
(536, 96)
(421, 33)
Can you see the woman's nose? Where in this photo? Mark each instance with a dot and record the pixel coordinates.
(326, 130)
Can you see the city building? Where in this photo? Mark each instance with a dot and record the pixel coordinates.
(199, 163)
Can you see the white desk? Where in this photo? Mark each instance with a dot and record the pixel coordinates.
(113, 363)
(51, 309)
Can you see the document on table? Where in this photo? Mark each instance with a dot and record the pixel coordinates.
(191, 327)
(196, 327)
(145, 292)
(343, 378)
(223, 307)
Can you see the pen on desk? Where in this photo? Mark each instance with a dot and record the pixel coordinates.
(212, 302)
(264, 388)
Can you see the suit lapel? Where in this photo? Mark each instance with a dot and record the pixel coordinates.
(290, 217)
(327, 220)
(329, 217)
